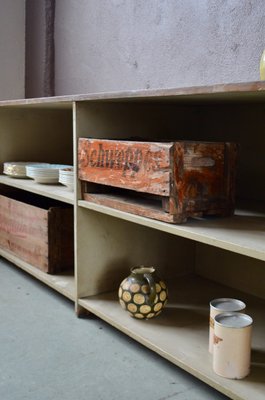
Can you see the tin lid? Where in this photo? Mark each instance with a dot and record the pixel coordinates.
(227, 304)
(233, 320)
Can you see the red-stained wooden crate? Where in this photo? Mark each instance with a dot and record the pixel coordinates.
(37, 230)
(165, 181)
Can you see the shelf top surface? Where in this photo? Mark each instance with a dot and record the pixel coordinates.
(242, 91)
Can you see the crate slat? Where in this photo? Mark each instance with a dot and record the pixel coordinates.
(140, 166)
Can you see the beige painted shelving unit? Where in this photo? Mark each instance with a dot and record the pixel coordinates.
(200, 260)
(38, 132)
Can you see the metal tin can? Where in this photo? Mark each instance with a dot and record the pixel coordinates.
(221, 305)
(232, 345)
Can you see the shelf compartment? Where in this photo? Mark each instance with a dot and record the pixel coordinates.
(244, 233)
(56, 192)
(180, 333)
(63, 283)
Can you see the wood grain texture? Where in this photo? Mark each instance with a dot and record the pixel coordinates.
(204, 177)
(24, 231)
(191, 178)
(127, 204)
(140, 166)
(41, 237)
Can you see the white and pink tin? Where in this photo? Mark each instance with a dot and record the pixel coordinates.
(232, 345)
(221, 305)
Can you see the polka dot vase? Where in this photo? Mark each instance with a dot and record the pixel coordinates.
(143, 294)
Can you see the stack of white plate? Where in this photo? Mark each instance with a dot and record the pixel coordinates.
(48, 173)
(66, 177)
(16, 169)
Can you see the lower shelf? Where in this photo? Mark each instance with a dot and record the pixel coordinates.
(63, 283)
(180, 333)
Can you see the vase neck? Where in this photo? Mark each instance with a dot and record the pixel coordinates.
(141, 270)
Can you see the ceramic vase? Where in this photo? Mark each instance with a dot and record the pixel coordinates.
(143, 294)
(262, 66)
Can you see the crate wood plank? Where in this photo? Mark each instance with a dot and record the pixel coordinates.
(23, 231)
(143, 207)
(204, 178)
(140, 166)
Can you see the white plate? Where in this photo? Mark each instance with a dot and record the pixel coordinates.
(48, 173)
(46, 167)
(17, 169)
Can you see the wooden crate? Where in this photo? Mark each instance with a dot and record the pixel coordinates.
(165, 181)
(37, 230)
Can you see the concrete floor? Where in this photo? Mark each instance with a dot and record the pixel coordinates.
(47, 353)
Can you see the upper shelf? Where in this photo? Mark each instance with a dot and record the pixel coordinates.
(56, 192)
(243, 91)
(244, 233)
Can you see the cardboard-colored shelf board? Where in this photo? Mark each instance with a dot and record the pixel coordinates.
(180, 333)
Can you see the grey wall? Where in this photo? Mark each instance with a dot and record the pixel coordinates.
(12, 49)
(106, 45)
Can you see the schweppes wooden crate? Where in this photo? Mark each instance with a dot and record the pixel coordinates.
(166, 181)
